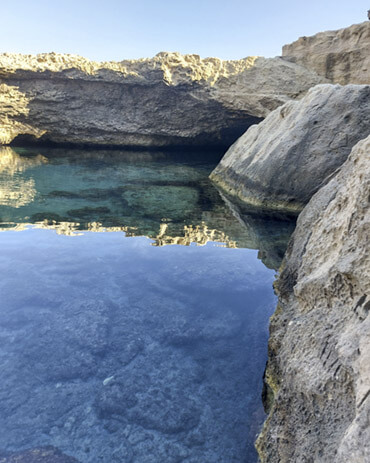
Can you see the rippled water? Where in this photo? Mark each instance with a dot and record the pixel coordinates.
(144, 344)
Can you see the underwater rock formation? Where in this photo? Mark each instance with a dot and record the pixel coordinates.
(39, 455)
(319, 347)
(114, 363)
(168, 99)
(283, 161)
(342, 56)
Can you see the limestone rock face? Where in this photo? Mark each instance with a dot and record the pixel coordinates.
(319, 347)
(284, 160)
(13, 112)
(341, 56)
(168, 99)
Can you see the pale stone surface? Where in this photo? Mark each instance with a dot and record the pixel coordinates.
(13, 112)
(319, 355)
(163, 100)
(284, 160)
(341, 56)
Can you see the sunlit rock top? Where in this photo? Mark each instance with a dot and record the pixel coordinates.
(165, 100)
(342, 56)
(173, 67)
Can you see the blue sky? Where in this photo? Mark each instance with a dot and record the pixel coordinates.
(119, 29)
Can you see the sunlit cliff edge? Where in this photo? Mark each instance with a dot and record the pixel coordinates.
(168, 99)
(342, 56)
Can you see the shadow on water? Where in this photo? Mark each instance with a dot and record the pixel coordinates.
(117, 346)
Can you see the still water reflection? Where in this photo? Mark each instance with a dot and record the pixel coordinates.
(113, 346)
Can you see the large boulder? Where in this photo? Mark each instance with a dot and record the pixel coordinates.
(168, 99)
(341, 56)
(283, 161)
(319, 347)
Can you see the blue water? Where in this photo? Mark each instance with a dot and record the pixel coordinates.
(117, 342)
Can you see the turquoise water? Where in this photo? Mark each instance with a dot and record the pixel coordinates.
(134, 307)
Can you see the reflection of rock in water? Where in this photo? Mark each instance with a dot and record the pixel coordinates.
(166, 197)
(39, 455)
(269, 232)
(269, 235)
(16, 191)
(199, 234)
(11, 162)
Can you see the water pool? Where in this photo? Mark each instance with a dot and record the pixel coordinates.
(134, 307)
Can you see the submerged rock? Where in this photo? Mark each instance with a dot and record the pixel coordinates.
(319, 347)
(284, 160)
(168, 99)
(341, 56)
(38, 455)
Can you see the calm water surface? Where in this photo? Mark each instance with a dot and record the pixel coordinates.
(134, 307)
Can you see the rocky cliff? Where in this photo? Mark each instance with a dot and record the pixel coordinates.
(168, 99)
(341, 56)
(283, 161)
(171, 98)
(319, 347)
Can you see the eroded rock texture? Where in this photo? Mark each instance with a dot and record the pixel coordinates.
(283, 161)
(341, 56)
(168, 99)
(319, 348)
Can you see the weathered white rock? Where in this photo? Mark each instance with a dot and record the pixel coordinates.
(168, 99)
(341, 56)
(284, 160)
(319, 347)
(13, 112)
